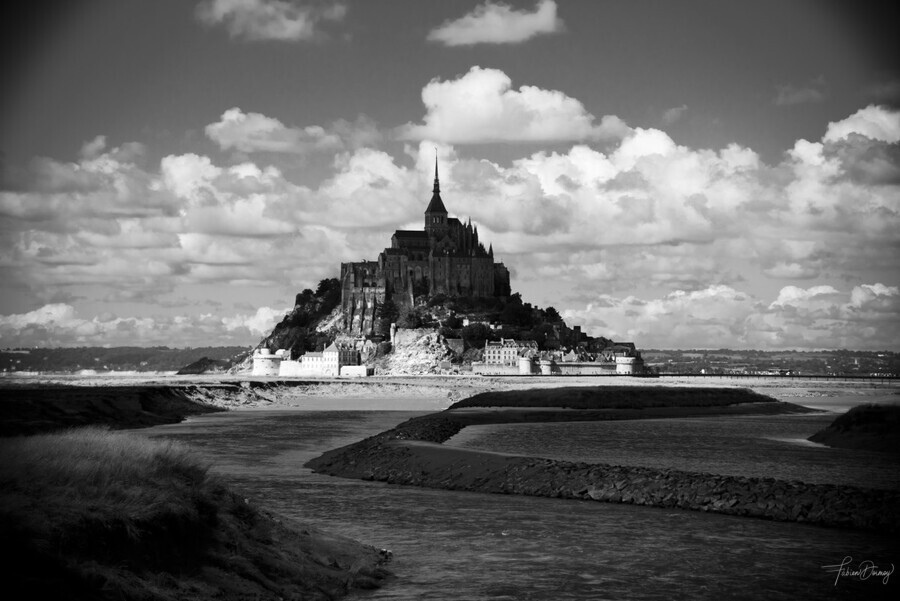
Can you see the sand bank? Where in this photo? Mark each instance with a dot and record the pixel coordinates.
(412, 454)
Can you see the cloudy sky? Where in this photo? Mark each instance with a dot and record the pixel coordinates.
(691, 174)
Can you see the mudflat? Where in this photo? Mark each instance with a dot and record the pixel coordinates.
(412, 454)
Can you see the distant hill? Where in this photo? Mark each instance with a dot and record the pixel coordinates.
(122, 358)
(205, 365)
(821, 362)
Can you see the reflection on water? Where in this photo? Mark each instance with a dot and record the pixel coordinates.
(761, 446)
(452, 545)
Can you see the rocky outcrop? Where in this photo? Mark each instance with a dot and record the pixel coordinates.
(415, 352)
(411, 454)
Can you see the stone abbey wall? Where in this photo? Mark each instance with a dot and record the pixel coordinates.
(363, 291)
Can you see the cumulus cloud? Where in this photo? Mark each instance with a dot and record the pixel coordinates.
(720, 316)
(491, 23)
(811, 215)
(792, 296)
(875, 297)
(260, 323)
(104, 224)
(280, 20)
(251, 132)
(693, 229)
(790, 94)
(873, 122)
(481, 107)
(823, 317)
(711, 316)
(255, 132)
(60, 324)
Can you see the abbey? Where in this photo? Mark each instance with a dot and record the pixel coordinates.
(445, 257)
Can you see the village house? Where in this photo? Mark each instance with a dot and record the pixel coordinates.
(507, 351)
(331, 362)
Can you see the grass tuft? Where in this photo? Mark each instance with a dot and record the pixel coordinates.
(96, 514)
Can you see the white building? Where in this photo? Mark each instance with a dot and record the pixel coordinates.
(507, 351)
(327, 363)
(265, 363)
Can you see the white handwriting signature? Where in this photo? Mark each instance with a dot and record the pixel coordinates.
(866, 569)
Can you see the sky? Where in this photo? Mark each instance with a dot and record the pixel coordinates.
(691, 174)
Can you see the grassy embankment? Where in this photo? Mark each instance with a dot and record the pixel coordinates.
(868, 427)
(34, 409)
(93, 514)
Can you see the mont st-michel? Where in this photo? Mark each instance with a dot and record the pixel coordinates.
(418, 300)
(456, 313)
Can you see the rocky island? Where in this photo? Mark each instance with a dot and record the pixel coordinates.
(435, 301)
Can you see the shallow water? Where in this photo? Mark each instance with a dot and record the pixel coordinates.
(454, 545)
(760, 446)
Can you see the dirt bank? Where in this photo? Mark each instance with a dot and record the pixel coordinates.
(867, 427)
(412, 454)
(44, 408)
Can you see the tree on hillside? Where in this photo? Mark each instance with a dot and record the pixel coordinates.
(329, 294)
(551, 315)
(515, 313)
(476, 333)
(304, 298)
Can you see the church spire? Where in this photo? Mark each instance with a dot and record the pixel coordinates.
(436, 206)
(437, 183)
(436, 213)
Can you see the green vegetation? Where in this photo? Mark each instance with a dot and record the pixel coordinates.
(93, 514)
(614, 397)
(297, 331)
(510, 318)
(311, 306)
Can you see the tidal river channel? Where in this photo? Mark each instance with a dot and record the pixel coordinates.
(469, 546)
